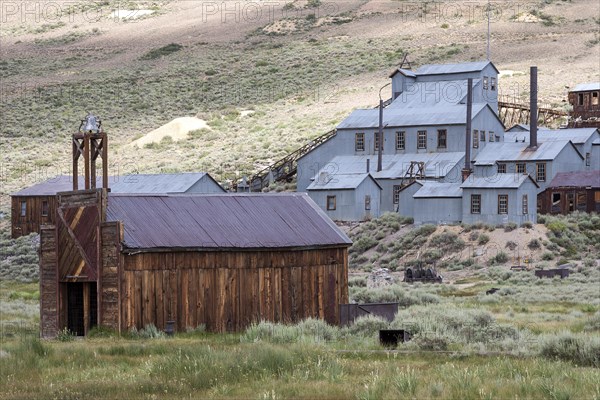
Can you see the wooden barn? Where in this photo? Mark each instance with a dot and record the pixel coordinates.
(34, 206)
(225, 260)
(571, 191)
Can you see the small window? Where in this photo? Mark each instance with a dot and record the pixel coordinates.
(502, 204)
(580, 99)
(485, 83)
(521, 168)
(359, 142)
(582, 201)
(23, 208)
(595, 98)
(376, 142)
(442, 138)
(492, 136)
(525, 205)
(330, 203)
(571, 201)
(482, 136)
(367, 202)
(475, 204)
(588, 159)
(44, 208)
(397, 194)
(400, 140)
(501, 168)
(422, 140)
(493, 83)
(541, 172)
(475, 139)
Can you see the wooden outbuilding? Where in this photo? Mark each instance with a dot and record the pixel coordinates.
(571, 191)
(223, 260)
(35, 205)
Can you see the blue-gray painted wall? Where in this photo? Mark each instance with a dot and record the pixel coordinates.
(489, 205)
(436, 210)
(350, 203)
(206, 185)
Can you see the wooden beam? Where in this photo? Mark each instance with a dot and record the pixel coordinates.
(86, 157)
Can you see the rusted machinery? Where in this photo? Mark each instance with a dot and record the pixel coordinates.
(422, 273)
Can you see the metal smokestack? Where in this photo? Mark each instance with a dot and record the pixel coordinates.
(368, 165)
(380, 133)
(467, 169)
(533, 108)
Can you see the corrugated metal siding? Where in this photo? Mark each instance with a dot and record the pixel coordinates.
(495, 181)
(435, 189)
(223, 221)
(508, 151)
(441, 69)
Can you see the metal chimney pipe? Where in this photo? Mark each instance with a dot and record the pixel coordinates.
(380, 133)
(533, 108)
(368, 165)
(467, 169)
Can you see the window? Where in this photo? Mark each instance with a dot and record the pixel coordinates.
(376, 142)
(493, 83)
(525, 205)
(330, 203)
(501, 168)
(595, 98)
(580, 99)
(556, 198)
(571, 201)
(422, 140)
(521, 168)
(502, 204)
(475, 204)
(588, 159)
(485, 83)
(442, 138)
(492, 136)
(400, 140)
(397, 194)
(367, 202)
(541, 172)
(582, 201)
(23, 208)
(482, 136)
(475, 139)
(359, 142)
(44, 208)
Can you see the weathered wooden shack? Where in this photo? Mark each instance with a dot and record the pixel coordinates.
(571, 191)
(225, 261)
(34, 206)
(585, 99)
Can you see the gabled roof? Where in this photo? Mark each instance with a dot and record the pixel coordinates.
(497, 181)
(511, 151)
(439, 190)
(399, 117)
(576, 179)
(405, 72)
(443, 69)
(223, 221)
(394, 166)
(585, 87)
(135, 183)
(340, 181)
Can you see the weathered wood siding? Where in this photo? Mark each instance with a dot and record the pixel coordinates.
(227, 291)
(49, 302)
(108, 279)
(33, 218)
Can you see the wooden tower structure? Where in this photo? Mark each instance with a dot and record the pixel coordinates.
(90, 143)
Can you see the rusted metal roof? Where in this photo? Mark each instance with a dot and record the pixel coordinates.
(223, 221)
(134, 183)
(576, 179)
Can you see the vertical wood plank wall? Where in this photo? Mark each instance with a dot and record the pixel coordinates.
(49, 324)
(33, 219)
(227, 291)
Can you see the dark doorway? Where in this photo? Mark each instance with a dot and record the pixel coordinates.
(82, 307)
